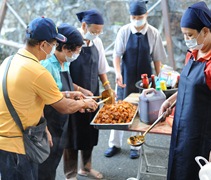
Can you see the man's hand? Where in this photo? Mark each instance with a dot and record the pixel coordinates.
(50, 140)
(90, 105)
(77, 95)
(86, 92)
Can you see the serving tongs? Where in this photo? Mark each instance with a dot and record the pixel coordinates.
(104, 101)
(138, 140)
(107, 97)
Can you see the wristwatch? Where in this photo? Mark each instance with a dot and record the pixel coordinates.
(67, 94)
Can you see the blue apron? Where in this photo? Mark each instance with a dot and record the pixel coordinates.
(135, 61)
(57, 125)
(191, 133)
(84, 72)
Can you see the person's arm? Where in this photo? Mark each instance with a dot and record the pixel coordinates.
(69, 106)
(157, 65)
(166, 105)
(47, 90)
(73, 95)
(86, 92)
(117, 67)
(50, 140)
(105, 81)
(119, 49)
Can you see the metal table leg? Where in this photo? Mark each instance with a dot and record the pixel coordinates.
(147, 164)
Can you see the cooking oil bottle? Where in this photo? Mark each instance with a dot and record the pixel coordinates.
(149, 104)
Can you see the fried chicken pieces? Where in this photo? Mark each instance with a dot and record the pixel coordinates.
(120, 112)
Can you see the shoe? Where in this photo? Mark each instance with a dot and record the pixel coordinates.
(111, 151)
(134, 154)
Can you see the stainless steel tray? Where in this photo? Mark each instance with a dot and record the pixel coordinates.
(117, 126)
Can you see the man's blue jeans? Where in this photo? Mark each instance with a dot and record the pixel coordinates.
(17, 167)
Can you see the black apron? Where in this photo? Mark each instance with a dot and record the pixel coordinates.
(191, 133)
(135, 61)
(57, 125)
(84, 72)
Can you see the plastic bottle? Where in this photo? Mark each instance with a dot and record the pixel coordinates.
(149, 105)
(168, 81)
(145, 81)
(163, 85)
(164, 72)
(158, 88)
(153, 81)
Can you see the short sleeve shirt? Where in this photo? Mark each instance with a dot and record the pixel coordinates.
(157, 50)
(30, 87)
(54, 67)
(103, 66)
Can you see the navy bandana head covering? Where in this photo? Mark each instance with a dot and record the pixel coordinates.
(90, 17)
(196, 16)
(138, 7)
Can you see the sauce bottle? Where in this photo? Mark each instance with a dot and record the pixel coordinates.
(153, 81)
(145, 81)
(168, 81)
(163, 85)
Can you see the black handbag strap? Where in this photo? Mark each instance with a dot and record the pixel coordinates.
(6, 97)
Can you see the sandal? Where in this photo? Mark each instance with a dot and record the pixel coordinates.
(93, 173)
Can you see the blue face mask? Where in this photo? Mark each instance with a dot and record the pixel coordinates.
(73, 58)
(138, 23)
(89, 36)
(193, 44)
(51, 53)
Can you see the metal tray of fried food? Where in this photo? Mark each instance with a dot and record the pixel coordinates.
(114, 125)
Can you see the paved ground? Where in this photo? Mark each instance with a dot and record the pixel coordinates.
(121, 167)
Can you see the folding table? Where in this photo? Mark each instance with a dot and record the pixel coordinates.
(162, 128)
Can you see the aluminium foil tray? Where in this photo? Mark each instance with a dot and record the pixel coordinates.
(117, 126)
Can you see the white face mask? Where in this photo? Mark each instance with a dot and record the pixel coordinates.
(138, 23)
(73, 58)
(89, 36)
(51, 53)
(192, 44)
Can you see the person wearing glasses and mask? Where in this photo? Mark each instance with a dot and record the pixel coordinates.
(191, 131)
(30, 87)
(58, 66)
(137, 45)
(90, 65)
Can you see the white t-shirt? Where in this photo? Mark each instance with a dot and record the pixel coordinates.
(157, 50)
(103, 66)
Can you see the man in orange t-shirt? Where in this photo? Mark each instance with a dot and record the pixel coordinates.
(30, 86)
